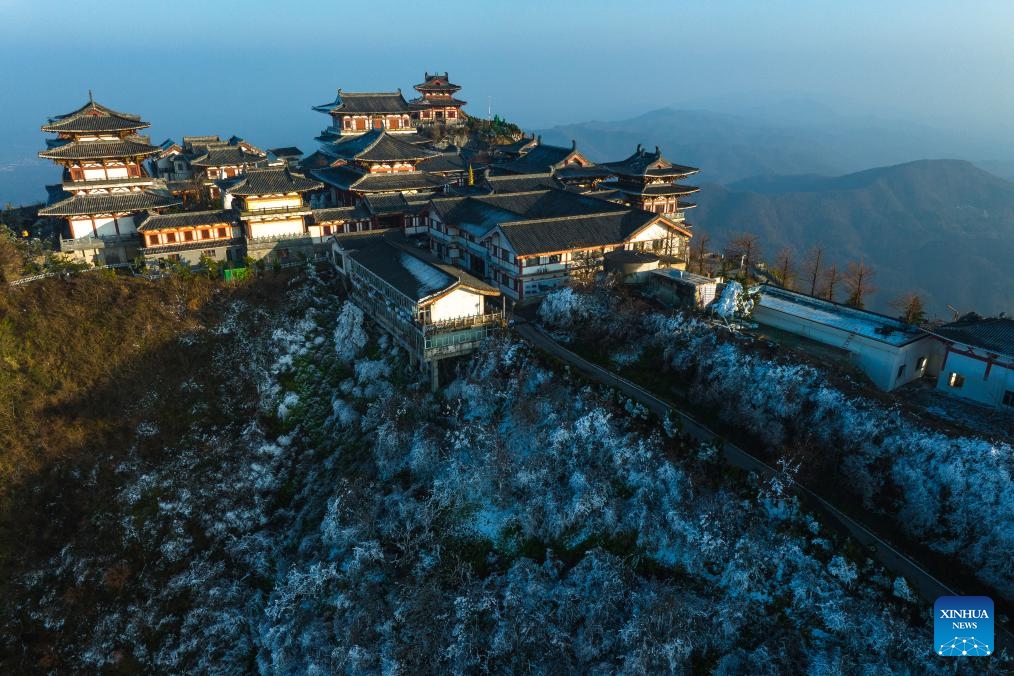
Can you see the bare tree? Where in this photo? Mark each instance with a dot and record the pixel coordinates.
(858, 278)
(813, 260)
(785, 267)
(699, 250)
(744, 250)
(911, 307)
(831, 280)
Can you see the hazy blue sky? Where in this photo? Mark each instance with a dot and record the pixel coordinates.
(254, 68)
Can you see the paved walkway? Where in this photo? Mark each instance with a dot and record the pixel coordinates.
(929, 587)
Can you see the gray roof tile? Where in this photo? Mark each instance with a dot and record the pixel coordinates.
(94, 117)
(989, 333)
(645, 164)
(95, 150)
(549, 235)
(365, 102)
(116, 203)
(377, 146)
(187, 219)
(272, 181)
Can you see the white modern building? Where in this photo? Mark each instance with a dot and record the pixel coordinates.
(887, 350)
(978, 359)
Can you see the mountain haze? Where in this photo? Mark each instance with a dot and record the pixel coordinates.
(940, 228)
(792, 137)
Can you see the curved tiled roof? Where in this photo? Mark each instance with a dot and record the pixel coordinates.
(186, 219)
(546, 235)
(540, 159)
(272, 181)
(645, 164)
(226, 156)
(421, 103)
(995, 334)
(340, 177)
(437, 82)
(410, 180)
(332, 214)
(378, 146)
(521, 183)
(96, 150)
(446, 162)
(365, 102)
(115, 203)
(94, 117)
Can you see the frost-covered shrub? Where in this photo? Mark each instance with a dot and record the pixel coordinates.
(563, 308)
(522, 523)
(955, 493)
(349, 335)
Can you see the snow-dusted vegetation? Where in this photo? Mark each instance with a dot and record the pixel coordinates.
(322, 512)
(952, 493)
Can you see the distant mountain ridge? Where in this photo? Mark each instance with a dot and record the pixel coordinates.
(799, 137)
(940, 228)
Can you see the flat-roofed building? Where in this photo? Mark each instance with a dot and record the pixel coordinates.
(887, 350)
(679, 288)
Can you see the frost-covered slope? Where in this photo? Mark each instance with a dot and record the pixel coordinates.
(949, 492)
(344, 520)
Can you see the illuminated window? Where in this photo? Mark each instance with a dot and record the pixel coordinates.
(956, 380)
(920, 365)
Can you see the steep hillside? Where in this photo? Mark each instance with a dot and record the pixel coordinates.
(282, 494)
(941, 228)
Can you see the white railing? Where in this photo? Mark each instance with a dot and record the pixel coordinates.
(45, 275)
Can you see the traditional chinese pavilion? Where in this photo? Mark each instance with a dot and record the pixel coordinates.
(105, 188)
(649, 181)
(270, 202)
(189, 236)
(359, 112)
(437, 102)
(381, 172)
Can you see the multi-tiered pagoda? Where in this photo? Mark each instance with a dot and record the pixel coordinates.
(437, 102)
(649, 181)
(380, 172)
(105, 189)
